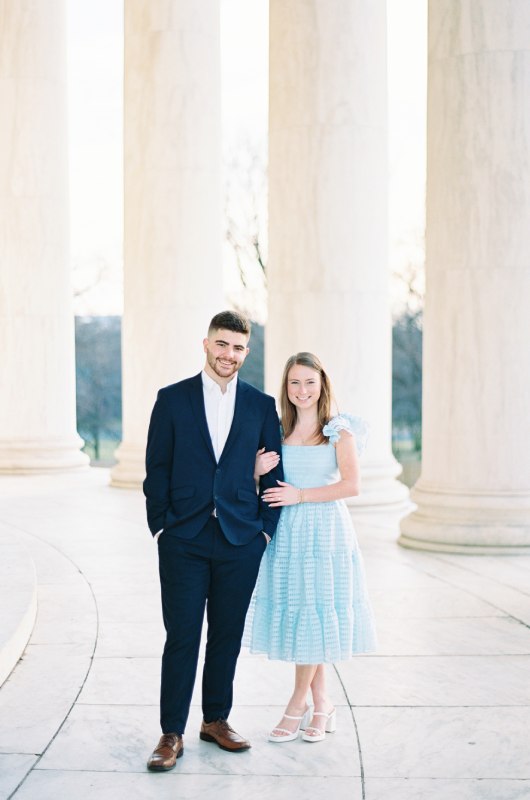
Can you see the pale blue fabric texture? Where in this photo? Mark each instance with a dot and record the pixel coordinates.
(310, 605)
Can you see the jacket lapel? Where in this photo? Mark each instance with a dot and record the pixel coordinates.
(197, 404)
(239, 415)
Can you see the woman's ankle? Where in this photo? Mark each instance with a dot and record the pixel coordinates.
(322, 703)
(297, 704)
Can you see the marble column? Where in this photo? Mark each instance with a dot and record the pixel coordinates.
(473, 494)
(172, 247)
(37, 396)
(328, 266)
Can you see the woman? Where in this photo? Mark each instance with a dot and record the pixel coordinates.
(310, 604)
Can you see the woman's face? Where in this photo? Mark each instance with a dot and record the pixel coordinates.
(303, 386)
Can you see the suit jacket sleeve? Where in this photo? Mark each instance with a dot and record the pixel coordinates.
(158, 462)
(271, 440)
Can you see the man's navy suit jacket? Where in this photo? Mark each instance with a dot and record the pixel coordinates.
(184, 482)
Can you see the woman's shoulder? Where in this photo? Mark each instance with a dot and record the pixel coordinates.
(354, 425)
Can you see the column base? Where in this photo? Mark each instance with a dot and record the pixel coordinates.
(380, 491)
(34, 457)
(477, 523)
(129, 472)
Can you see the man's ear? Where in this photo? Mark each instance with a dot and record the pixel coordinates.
(205, 345)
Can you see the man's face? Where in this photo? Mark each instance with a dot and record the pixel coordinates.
(225, 352)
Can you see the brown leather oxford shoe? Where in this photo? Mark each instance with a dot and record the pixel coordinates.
(164, 756)
(223, 735)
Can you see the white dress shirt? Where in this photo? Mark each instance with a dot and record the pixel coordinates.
(219, 409)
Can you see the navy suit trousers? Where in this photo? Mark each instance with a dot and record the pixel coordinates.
(204, 572)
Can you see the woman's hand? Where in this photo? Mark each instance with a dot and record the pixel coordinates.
(265, 461)
(282, 495)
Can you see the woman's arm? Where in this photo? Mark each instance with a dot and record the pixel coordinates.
(265, 461)
(286, 495)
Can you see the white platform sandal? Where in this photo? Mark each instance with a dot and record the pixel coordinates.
(330, 726)
(285, 735)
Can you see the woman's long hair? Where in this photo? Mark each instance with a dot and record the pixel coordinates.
(288, 410)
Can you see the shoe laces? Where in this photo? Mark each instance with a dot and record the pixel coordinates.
(224, 724)
(169, 740)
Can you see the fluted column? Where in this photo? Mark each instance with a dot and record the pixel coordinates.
(172, 253)
(328, 272)
(37, 395)
(474, 491)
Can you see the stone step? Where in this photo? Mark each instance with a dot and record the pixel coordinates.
(18, 600)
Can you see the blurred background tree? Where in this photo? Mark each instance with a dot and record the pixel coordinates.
(407, 342)
(98, 385)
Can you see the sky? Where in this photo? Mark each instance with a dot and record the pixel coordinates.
(95, 74)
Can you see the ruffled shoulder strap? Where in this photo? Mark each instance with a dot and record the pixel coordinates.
(353, 425)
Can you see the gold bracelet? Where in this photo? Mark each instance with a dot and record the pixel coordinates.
(301, 499)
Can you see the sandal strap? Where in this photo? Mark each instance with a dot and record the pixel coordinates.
(287, 716)
(323, 713)
(283, 730)
(312, 728)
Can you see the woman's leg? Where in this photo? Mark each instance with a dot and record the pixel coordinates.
(304, 674)
(321, 699)
(320, 696)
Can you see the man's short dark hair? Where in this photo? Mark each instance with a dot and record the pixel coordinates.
(230, 321)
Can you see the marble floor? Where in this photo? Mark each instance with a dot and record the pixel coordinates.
(441, 712)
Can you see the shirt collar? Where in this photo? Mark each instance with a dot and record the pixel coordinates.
(210, 385)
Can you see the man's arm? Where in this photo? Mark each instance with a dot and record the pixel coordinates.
(158, 462)
(271, 440)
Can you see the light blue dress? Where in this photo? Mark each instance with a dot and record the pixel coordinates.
(310, 604)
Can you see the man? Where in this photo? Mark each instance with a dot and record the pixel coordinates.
(212, 528)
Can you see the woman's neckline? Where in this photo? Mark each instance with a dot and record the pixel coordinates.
(322, 444)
